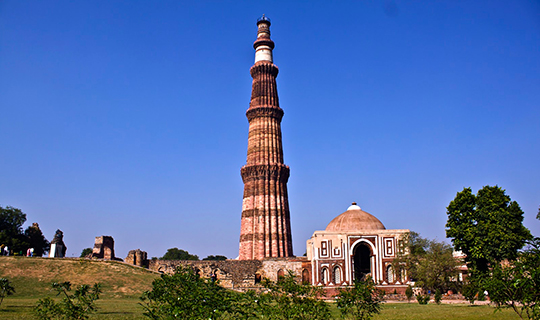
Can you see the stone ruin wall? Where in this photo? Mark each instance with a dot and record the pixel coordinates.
(137, 258)
(235, 274)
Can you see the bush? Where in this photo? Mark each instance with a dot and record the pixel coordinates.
(184, 295)
(288, 299)
(360, 302)
(72, 306)
(438, 296)
(422, 299)
(409, 293)
(6, 289)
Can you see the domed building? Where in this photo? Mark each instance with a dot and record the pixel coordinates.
(354, 245)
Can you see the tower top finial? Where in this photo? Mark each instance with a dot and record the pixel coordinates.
(263, 19)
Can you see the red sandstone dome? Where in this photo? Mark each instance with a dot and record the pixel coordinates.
(354, 219)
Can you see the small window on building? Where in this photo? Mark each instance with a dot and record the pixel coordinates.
(280, 274)
(390, 274)
(324, 275)
(258, 278)
(337, 275)
(305, 276)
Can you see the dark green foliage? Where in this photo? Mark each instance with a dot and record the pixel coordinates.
(6, 289)
(11, 232)
(430, 263)
(487, 227)
(438, 296)
(36, 240)
(288, 299)
(422, 299)
(185, 295)
(409, 293)
(178, 254)
(77, 305)
(517, 284)
(85, 252)
(361, 302)
(470, 291)
(216, 258)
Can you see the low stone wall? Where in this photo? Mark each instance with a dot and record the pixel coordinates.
(236, 274)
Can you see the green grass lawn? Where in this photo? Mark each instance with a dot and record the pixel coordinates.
(128, 308)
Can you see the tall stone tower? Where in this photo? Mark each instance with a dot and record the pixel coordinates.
(266, 227)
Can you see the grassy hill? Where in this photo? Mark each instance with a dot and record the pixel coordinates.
(32, 277)
(122, 284)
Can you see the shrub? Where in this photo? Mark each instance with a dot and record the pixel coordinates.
(360, 302)
(438, 296)
(72, 306)
(422, 299)
(409, 293)
(6, 289)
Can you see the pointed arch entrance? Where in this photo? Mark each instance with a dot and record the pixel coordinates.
(362, 261)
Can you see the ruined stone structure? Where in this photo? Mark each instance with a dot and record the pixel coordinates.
(58, 247)
(137, 258)
(238, 274)
(104, 248)
(265, 225)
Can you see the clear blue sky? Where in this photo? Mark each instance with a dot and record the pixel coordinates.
(127, 118)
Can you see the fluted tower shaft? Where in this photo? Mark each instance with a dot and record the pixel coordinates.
(265, 228)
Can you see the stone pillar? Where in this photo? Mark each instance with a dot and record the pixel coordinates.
(265, 225)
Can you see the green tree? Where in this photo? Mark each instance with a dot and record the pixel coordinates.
(6, 289)
(11, 232)
(289, 299)
(429, 263)
(36, 240)
(77, 305)
(487, 227)
(361, 302)
(85, 252)
(178, 254)
(516, 284)
(409, 293)
(216, 258)
(185, 295)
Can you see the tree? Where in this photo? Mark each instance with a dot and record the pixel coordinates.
(36, 240)
(6, 289)
(185, 295)
(77, 305)
(487, 227)
(516, 284)
(409, 293)
(428, 262)
(361, 302)
(289, 299)
(216, 258)
(178, 254)
(85, 252)
(11, 232)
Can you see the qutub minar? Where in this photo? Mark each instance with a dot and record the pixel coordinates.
(354, 245)
(266, 228)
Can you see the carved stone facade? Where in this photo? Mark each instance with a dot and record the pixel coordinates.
(265, 224)
(356, 245)
(138, 258)
(104, 248)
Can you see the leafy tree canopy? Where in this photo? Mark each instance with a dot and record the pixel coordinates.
(487, 227)
(85, 252)
(178, 254)
(11, 232)
(429, 262)
(36, 240)
(218, 258)
(517, 284)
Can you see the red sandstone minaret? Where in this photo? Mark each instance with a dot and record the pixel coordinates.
(266, 226)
